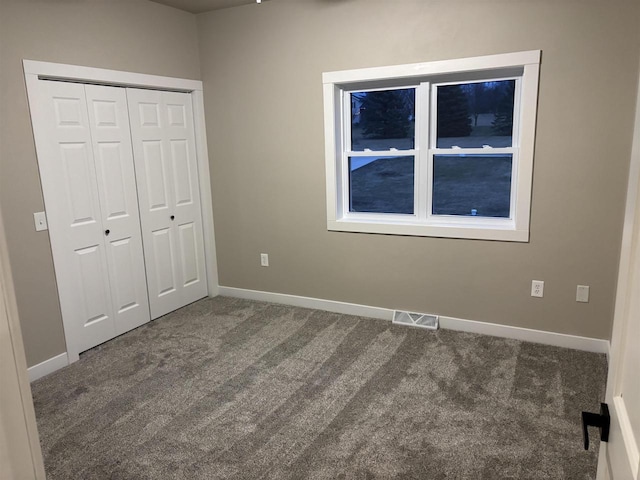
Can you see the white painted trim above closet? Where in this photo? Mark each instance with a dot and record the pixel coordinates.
(60, 71)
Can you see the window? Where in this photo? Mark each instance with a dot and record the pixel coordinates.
(440, 149)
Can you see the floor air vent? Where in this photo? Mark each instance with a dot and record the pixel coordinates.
(423, 320)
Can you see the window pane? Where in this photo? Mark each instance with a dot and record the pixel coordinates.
(471, 115)
(381, 184)
(383, 120)
(473, 185)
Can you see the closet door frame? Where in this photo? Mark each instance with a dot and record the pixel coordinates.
(35, 72)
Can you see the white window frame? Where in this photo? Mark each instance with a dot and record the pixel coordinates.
(425, 77)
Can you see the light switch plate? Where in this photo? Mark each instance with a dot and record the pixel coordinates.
(582, 294)
(40, 220)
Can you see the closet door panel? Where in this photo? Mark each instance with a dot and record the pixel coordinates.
(124, 275)
(115, 174)
(154, 174)
(182, 147)
(109, 164)
(189, 254)
(155, 181)
(75, 165)
(91, 274)
(167, 177)
(165, 262)
(182, 173)
(70, 188)
(162, 268)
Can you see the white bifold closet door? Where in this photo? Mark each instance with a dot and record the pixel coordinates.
(162, 132)
(88, 179)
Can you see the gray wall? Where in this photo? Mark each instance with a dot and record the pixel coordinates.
(131, 35)
(262, 67)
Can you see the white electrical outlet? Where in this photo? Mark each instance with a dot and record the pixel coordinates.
(264, 259)
(582, 294)
(537, 288)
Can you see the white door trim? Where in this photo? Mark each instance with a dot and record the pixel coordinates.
(621, 430)
(20, 452)
(35, 71)
(206, 201)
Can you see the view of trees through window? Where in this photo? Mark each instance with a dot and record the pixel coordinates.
(383, 120)
(467, 115)
(475, 114)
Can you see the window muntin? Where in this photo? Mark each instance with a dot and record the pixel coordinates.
(434, 212)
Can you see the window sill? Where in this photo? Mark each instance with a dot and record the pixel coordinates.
(504, 233)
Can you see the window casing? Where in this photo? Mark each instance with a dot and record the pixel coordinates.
(428, 177)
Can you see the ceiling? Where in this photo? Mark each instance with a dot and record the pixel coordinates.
(199, 6)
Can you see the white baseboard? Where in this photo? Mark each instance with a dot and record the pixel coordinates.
(526, 334)
(309, 302)
(48, 366)
(450, 323)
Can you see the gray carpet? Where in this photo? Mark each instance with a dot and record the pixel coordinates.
(229, 388)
